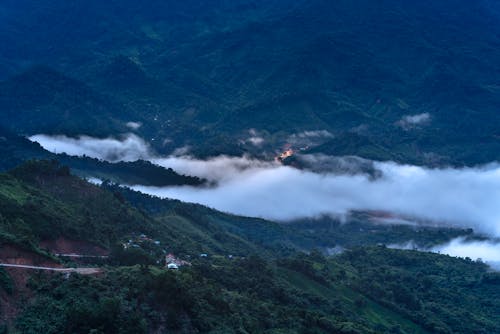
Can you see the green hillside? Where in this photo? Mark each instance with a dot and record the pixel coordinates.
(421, 293)
(41, 200)
(205, 74)
(14, 150)
(337, 86)
(256, 276)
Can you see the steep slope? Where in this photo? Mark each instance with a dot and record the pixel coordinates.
(43, 100)
(41, 202)
(374, 290)
(203, 74)
(15, 150)
(365, 290)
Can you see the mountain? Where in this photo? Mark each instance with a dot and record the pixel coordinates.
(42, 201)
(14, 150)
(252, 295)
(414, 82)
(50, 202)
(43, 100)
(252, 278)
(273, 66)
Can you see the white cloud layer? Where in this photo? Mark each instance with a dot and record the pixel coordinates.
(128, 148)
(255, 139)
(463, 198)
(308, 138)
(467, 197)
(410, 121)
(134, 125)
(487, 250)
(94, 180)
(220, 169)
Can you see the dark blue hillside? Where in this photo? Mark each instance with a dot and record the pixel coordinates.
(203, 73)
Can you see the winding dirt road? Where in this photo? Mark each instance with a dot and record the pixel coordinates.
(83, 271)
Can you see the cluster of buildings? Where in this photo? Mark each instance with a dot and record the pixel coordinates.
(145, 242)
(137, 241)
(285, 154)
(173, 262)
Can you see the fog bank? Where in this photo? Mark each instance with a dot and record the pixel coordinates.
(487, 250)
(466, 197)
(127, 148)
(462, 198)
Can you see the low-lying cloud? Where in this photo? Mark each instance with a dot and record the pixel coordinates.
(484, 250)
(255, 139)
(309, 138)
(462, 198)
(322, 163)
(487, 251)
(133, 125)
(127, 148)
(219, 170)
(94, 180)
(466, 197)
(412, 121)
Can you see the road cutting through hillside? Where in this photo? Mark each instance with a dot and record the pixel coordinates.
(83, 271)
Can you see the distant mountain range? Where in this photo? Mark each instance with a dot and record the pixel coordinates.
(415, 82)
(204, 74)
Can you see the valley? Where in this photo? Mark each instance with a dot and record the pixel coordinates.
(249, 166)
(188, 230)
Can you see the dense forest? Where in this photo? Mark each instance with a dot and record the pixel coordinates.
(361, 139)
(205, 73)
(254, 275)
(15, 149)
(369, 290)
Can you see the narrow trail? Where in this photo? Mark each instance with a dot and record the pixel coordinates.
(82, 256)
(83, 271)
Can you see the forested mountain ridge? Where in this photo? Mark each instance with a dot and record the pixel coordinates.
(43, 201)
(253, 278)
(402, 76)
(15, 150)
(369, 130)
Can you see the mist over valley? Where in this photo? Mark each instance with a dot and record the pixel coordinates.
(250, 166)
